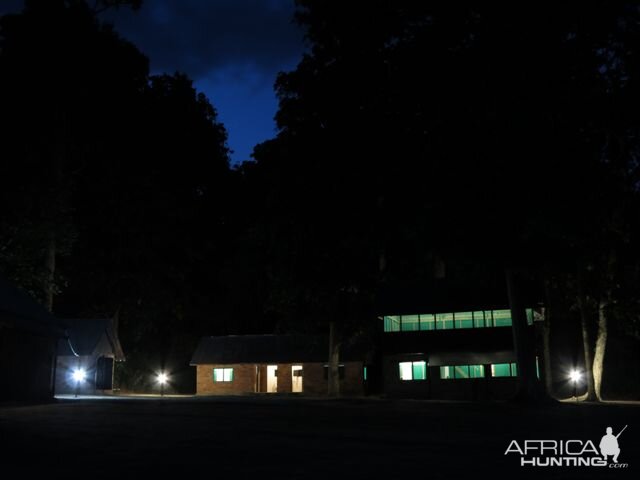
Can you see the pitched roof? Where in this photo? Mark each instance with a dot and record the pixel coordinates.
(18, 310)
(266, 349)
(85, 336)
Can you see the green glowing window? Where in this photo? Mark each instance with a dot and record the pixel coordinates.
(413, 370)
(427, 322)
(464, 319)
(488, 318)
(504, 370)
(478, 319)
(392, 323)
(529, 316)
(223, 374)
(502, 318)
(444, 321)
(410, 323)
(364, 372)
(448, 321)
(461, 371)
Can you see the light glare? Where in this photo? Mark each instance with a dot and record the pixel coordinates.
(79, 374)
(575, 376)
(162, 378)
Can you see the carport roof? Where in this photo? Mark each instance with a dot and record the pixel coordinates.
(85, 335)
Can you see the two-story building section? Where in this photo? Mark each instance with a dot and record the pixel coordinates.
(448, 342)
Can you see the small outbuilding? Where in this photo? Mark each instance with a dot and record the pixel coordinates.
(28, 339)
(86, 357)
(239, 364)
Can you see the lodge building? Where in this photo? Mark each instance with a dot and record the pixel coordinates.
(445, 341)
(450, 342)
(242, 364)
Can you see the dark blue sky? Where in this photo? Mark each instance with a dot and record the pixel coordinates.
(232, 49)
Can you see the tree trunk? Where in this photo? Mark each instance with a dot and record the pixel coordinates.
(546, 341)
(586, 339)
(529, 388)
(333, 383)
(546, 354)
(603, 312)
(50, 271)
(601, 345)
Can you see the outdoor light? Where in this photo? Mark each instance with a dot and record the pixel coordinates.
(575, 376)
(162, 378)
(78, 375)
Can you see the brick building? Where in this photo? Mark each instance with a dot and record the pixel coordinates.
(238, 364)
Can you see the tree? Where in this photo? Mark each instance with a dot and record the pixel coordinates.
(433, 121)
(129, 169)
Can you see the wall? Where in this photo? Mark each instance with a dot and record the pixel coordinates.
(65, 385)
(434, 387)
(351, 385)
(245, 380)
(26, 365)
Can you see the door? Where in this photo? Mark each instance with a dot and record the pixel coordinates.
(296, 378)
(272, 378)
(104, 373)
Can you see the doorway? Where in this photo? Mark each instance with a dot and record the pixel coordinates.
(296, 378)
(272, 378)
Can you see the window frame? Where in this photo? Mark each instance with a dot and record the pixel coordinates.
(412, 368)
(227, 375)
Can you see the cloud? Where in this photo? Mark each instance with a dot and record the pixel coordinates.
(198, 36)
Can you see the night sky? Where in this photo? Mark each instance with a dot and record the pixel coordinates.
(232, 49)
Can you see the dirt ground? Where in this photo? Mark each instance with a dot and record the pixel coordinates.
(299, 438)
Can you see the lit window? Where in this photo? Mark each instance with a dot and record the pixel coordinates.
(446, 373)
(410, 323)
(444, 321)
(464, 319)
(392, 323)
(488, 319)
(413, 370)
(223, 374)
(502, 318)
(529, 316)
(427, 322)
(504, 370)
(448, 321)
(461, 371)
